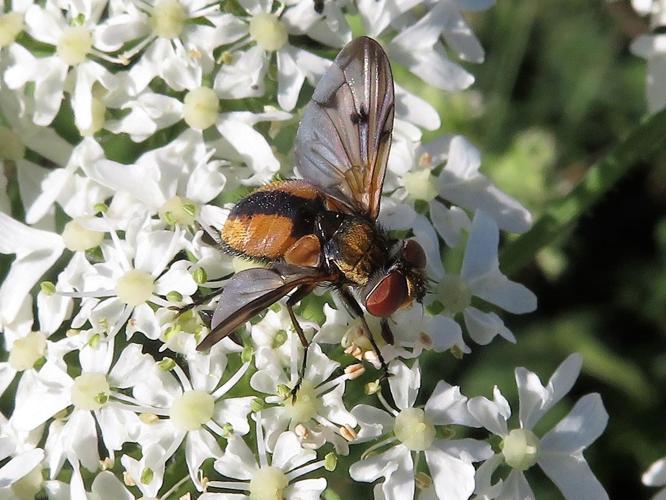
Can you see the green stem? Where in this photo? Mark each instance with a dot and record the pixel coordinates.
(645, 140)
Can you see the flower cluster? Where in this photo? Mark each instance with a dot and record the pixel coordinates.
(127, 130)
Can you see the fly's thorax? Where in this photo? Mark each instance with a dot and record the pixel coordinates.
(357, 248)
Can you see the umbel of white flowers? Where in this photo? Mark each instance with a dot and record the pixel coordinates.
(181, 106)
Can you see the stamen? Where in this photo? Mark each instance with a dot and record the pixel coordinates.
(229, 485)
(376, 446)
(226, 387)
(386, 405)
(323, 388)
(261, 445)
(304, 470)
(187, 386)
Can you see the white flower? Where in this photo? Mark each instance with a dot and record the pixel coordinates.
(264, 479)
(94, 398)
(326, 23)
(148, 472)
(77, 194)
(559, 452)
(29, 351)
(412, 431)
(196, 409)
(173, 181)
(22, 135)
(11, 21)
(418, 44)
(132, 275)
(170, 45)
(244, 73)
(105, 485)
(419, 330)
(480, 277)
(317, 412)
(653, 48)
(414, 330)
(143, 114)
(276, 343)
(73, 43)
(656, 476)
(460, 183)
(36, 251)
(21, 476)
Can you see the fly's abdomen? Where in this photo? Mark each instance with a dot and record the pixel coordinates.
(268, 222)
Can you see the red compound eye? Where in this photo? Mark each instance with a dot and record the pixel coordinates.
(388, 295)
(413, 254)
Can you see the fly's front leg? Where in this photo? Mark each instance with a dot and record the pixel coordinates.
(294, 299)
(355, 309)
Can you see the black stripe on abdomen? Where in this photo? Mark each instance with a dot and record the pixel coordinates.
(301, 211)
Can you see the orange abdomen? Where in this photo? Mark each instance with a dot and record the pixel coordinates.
(265, 224)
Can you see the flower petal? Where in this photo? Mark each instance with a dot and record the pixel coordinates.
(36, 251)
(656, 474)
(483, 327)
(250, 145)
(497, 289)
(395, 465)
(307, 489)
(516, 487)
(462, 184)
(289, 454)
(447, 406)
(449, 222)
(405, 383)
(373, 422)
(106, 484)
(19, 466)
(452, 477)
(199, 446)
(238, 461)
(290, 79)
(573, 477)
(536, 400)
(581, 427)
(80, 437)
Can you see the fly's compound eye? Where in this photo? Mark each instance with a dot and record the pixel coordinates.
(388, 295)
(413, 255)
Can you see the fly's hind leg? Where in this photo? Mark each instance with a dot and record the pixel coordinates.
(356, 310)
(294, 299)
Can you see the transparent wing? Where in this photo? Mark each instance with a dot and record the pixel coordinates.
(246, 294)
(344, 138)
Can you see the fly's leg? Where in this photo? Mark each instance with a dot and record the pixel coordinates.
(203, 299)
(356, 310)
(294, 299)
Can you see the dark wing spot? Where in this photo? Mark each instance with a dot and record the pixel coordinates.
(385, 135)
(363, 114)
(319, 6)
(359, 118)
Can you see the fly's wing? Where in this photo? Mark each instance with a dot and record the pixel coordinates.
(343, 141)
(246, 294)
